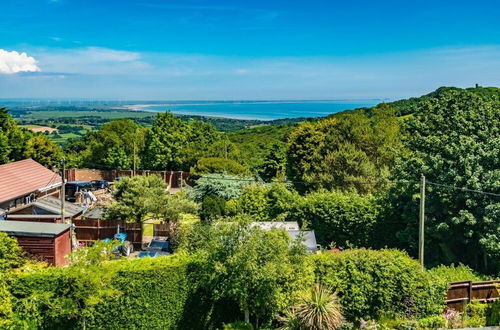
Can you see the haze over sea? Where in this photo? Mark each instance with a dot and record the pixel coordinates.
(261, 110)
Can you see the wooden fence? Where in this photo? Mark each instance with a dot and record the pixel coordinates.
(93, 230)
(461, 293)
(173, 179)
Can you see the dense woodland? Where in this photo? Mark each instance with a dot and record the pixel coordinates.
(353, 178)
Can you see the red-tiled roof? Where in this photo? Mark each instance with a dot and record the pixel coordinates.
(24, 177)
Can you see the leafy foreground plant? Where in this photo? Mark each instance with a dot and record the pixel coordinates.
(318, 310)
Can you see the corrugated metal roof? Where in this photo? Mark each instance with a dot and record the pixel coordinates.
(24, 177)
(53, 205)
(36, 229)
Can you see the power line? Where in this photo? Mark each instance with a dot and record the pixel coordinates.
(464, 189)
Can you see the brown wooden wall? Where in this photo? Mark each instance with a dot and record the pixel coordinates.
(51, 249)
(461, 293)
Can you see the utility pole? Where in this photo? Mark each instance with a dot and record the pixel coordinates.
(63, 190)
(133, 172)
(421, 230)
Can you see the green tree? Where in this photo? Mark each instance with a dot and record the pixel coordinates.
(349, 151)
(115, 146)
(453, 140)
(4, 149)
(164, 142)
(219, 165)
(43, 150)
(264, 202)
(212, 207)
(222, 185)
(339, 218)
(274, 163)
(145, 197)
(259, 270)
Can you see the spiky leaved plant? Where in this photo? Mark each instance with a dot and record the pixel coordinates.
(318, 309)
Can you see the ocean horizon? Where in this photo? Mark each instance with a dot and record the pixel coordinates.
(257, 110)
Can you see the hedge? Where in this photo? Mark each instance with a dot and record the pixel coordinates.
(346, 219)
(136, 294)
(372, 284)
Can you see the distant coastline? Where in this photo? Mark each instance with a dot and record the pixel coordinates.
(254, 110)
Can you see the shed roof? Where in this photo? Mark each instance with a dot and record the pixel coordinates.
(24, 177)
(267, 225)
(308, 238)
(95, 213)
(36, 229)
(53, 205)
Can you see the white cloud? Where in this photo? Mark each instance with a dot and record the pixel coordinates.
(90, 60)
(14, 62)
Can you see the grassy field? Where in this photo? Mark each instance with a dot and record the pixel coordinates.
(38, 128)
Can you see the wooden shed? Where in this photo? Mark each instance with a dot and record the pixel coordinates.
(50, 242)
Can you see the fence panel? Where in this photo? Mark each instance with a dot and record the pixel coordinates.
(162, 230)
(93, 230)
(461, 293)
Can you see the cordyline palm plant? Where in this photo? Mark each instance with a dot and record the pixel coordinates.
(318, 310)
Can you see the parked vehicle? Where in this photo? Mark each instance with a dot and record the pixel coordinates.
(99, 184)
(73, 187)
(157, 247)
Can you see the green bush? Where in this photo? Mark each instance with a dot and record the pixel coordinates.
(336, 217)
(493, 314)
(238, 326)
(212, 207)
(372, 283)
(264, 202)
(11, 254)
(432, 322)
(219, 165)
(138, 294)
(449, 274)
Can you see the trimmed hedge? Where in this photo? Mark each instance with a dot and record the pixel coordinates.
(136, 294)
(372, 284)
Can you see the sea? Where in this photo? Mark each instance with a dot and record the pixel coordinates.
(258, 110)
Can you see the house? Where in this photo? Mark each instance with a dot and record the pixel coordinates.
(46, 209)
(24, 182)
(50, 242)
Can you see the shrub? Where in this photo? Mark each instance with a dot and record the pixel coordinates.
(372, 283)
(222, 185)
(238, 326)
(318, 309)
(449, 274)
(11, 254)
(219, 165)
(493, 314)
(138, 293)
(336, 217)
(264, 202)
(212, 207)
(432, 322)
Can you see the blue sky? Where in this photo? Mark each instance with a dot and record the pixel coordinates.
(152, 49)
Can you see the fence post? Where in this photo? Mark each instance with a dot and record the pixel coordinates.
(469, 292)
